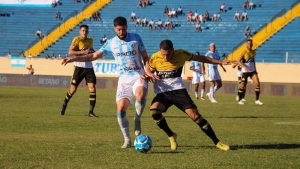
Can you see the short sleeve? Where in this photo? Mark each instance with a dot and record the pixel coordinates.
(141, 44)
(75, 42)
(106, 48)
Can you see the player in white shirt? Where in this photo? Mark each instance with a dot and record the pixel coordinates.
(133, 61)
(213, 73)
(198, 76)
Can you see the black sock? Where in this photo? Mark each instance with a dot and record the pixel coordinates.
(162, 124)
(257, 92)
(207, 129)
(92, 101)
(241, 93)
(67, 98)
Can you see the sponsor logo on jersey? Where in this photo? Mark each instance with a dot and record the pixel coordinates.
(126, 69)
(129, 53)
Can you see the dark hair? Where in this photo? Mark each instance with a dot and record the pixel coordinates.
(198, 53)
(120, 21)
(249, 40)
(84, 26)
(166, 45)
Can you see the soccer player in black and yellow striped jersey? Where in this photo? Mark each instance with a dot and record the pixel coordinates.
(168, 63)
(247, 62)
(82, 45)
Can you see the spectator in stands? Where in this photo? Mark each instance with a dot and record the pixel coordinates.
(59, 56)
(214, 18)
(66, 56)
(244, 16)
(222, 7)
(29, 56)
(166, 11)
(179, 11)
(22, 55)
(53, 56)
(206, 16)
(236, 16)
(132, 16)
(76, 1)
(251, 4)
(198, 27)
(103, 40)
(98, 16)
(201, 18)
(247, 32)
(190, 16)
(151, 24)
(195, 17)
(138, 21)
(159, 24)
(166, 24)
(85, 1)
(53, 4)
(9, 55)
(219, 17)
(38, 34)
(146, 2)
(93, 16)
(141, 4)
(171, 25)
(47, 57)
(30, 70)
(58, 16)
(144, 21)
(246, 5)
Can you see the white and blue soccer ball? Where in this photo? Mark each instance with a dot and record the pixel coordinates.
(143, 143)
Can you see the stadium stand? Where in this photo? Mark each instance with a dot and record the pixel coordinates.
(226, 34)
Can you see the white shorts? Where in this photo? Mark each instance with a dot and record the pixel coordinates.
(198, 78)
(127, 87)
(239, 73)
(214, 75)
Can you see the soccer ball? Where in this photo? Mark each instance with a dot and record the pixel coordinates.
(143, 143)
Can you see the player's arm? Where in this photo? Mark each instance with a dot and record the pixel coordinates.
(235, 65)
(149, 73)
(223, 68)
(205, 59)
(73, 50)
(86, 58)
(242, 64)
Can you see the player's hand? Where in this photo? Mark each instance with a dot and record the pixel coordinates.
(224, 70)
(246, 68)
(66, 61)
(203, 72)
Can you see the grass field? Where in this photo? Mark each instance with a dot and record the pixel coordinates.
(34, 135)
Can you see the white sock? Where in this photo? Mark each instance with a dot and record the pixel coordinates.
(139, 108)
(196, 94)
(202, 92)
(124, 125)
(211, 92)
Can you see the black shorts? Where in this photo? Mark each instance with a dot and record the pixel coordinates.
(246, 75)
(180, 98)
(81, 73)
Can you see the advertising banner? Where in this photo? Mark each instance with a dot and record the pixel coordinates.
(26, 3)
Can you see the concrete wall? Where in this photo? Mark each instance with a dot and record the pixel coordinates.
(268, 72)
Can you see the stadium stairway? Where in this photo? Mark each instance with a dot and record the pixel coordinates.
(69, 24)
(269, 30)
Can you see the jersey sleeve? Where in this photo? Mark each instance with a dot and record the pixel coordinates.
(75, 42)
(106, 48)
(192, 64)
(152, 63)
(187, 56)
(243, 53)
(207, 54)
(141, 44)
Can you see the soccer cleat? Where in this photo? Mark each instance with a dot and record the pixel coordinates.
(137, 128)
(213, 100)
(244, 100)
(91, 114)
(241, 102)
(197, 98)
(173, 142)
(222, 146)
(259, 102)
(208, 95)
(127, 144)
(237, 98)
(63, 109)
(202, 98)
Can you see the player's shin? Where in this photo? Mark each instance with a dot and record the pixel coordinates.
(257, 92)
(67, 98)
(92, 99)
(124, 125)
(206, 128)
(241, 93)
(139, 108)
(161, 121)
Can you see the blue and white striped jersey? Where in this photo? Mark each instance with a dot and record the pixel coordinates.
(127, 54)
(196, 65)
(213, 55)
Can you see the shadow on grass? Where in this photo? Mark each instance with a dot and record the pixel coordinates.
(254, 146)
(166, 152)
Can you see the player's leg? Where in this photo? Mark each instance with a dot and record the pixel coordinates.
(75, 81)
(184, 102)
(218, 80)
(257, 88)
(140, 92)
(211, 91)
(202, 83)
(161, 104)
(123, 99)
(239, 82)
(242, 87)
(195, 81)
(90, 78)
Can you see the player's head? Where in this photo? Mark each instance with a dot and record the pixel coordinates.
(120, 26)
(249, 43)
(212, 47)
(197, 53)
(166, 49)
(83, 30)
